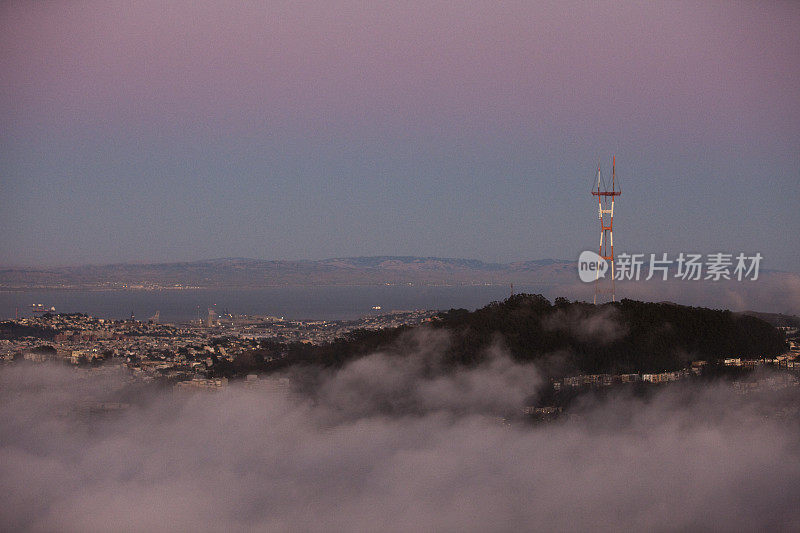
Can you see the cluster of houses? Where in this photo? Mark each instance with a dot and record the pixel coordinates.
(787, 361)
(607, 380)
(181, 352)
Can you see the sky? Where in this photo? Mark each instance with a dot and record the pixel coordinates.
(174, 131)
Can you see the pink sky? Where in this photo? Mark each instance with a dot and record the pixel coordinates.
(466, 105)
(360, 65)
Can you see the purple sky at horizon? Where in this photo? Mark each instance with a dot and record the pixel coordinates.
(304, 130)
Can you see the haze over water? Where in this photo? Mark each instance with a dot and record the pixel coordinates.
(318, 303)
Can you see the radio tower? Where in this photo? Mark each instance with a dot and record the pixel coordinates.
(605, 206)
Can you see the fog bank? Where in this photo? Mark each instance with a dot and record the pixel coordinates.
(390, 444)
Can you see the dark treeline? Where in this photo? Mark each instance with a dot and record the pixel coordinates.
(627, 336)
(12, 330)
(563, 337)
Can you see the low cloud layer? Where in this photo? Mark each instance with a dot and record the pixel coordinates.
(391, 444)
(602, 326)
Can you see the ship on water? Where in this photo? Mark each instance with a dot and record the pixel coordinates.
(39, 309)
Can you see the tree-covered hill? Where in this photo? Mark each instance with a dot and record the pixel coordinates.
(563, 337)
(627, 336)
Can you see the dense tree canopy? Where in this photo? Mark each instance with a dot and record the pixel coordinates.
(564, 337)
(13, 330)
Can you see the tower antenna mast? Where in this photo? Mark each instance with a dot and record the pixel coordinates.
(605, 212)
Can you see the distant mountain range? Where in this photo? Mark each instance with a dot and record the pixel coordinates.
(250, 273)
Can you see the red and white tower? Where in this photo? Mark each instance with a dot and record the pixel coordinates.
(605, 211)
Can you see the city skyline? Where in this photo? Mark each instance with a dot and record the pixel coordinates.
(189, 131)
